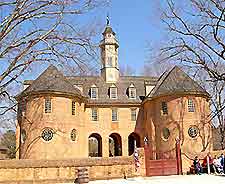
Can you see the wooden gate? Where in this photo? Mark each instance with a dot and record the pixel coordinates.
(163, 163)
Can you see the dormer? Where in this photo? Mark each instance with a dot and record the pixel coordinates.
(113, 92)
(132, 92)
(94, 92)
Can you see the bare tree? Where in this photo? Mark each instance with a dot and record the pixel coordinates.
(197, 35)
(196, 40)
(127, 70)
(33, 32)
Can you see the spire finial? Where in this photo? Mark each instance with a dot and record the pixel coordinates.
(107, 20)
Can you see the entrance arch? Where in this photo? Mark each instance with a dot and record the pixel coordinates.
(95, 145)
(133, 140)
(115, 145)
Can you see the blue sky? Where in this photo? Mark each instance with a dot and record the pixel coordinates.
(137, 26)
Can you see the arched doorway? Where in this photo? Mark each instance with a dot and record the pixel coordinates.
(115, 145)
(133, 140)
(95, 145)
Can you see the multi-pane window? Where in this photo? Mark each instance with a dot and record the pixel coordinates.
(132, 93)
(94, 93)
(110, 61)
(48, 105)
(164, 108)
(113, 93)
(133, 115)
(114, 115)
(191, 106)
(94, 114)
(73, 107)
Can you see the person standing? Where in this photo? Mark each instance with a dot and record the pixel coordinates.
(197, 166)
(222, 161)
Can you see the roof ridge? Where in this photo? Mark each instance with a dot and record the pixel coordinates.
(159, 83)
(51, 80)
(175, 80)
(51, 66)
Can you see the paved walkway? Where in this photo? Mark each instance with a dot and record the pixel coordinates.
(186, 179)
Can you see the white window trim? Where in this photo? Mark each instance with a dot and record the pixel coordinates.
(116, 93)
(191, 105)
(48, 109)
(94, 88)
(73, 105)
(116, 111)
(131, 114)
(92, 114)
(130, 92)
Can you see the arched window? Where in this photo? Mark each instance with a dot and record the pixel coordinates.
(95, 145)
(133, 142)
(115, 145)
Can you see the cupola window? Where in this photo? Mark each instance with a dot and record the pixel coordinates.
(110, 61)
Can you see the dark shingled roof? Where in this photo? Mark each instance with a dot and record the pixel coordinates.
(51, 80)
(122, 88)
(176, 81)
(173, 82)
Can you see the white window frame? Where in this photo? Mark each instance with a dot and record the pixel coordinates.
(113, 95)
(133, 114)
(114, 114)
(191, 105)
(94, 114)
(48, 105)
(94, 90)
(132, 93)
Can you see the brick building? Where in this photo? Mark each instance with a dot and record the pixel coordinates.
(108, 115)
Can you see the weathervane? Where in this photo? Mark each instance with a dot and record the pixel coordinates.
(107, 20)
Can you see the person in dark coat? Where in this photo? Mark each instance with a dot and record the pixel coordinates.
(222, 162)
(197, 166)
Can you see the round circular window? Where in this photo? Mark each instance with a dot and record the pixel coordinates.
(73, 135)
(23, 135)
(166, 133)
(193, 131)
(47, 134)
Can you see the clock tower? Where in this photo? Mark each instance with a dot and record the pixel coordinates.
(109, 55)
